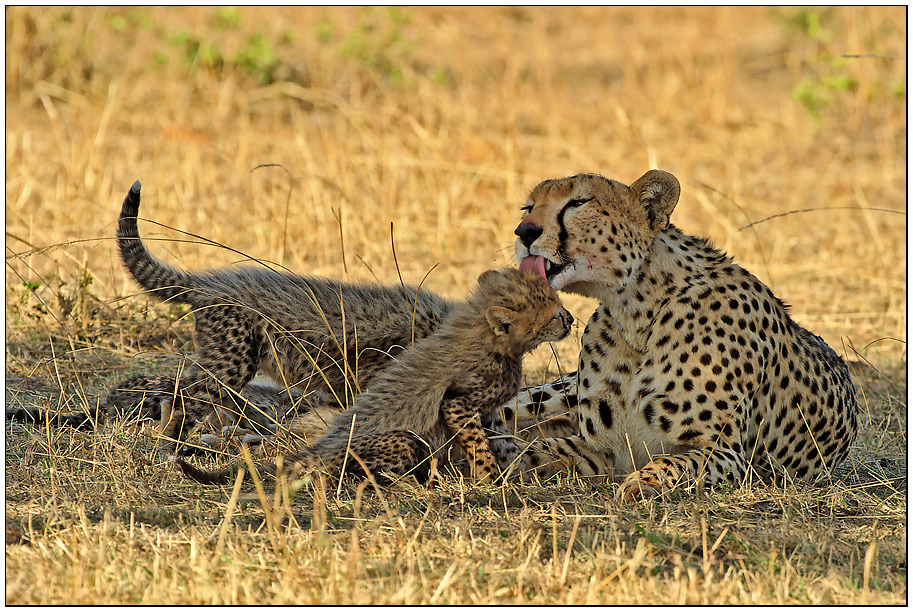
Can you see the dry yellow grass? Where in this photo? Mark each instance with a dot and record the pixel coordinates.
(439, 121)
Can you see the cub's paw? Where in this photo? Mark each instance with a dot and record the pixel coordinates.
(211, 440)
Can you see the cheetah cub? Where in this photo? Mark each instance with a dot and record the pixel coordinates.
(310, 333)
(437, 391)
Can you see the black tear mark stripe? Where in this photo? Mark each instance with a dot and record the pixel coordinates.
(562, 231)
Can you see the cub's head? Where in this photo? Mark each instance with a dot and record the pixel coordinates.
(586, 233)
(521, 309)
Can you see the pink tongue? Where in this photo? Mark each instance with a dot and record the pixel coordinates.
(536, 264)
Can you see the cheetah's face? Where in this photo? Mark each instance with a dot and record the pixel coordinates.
(586, 233)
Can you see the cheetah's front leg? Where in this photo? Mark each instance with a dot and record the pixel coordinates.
(544, 411)
(695, 467)
(550, 456)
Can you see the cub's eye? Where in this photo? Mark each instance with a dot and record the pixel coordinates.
(526, 207)
(579, 201)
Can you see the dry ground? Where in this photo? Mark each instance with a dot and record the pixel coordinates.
(438, 121)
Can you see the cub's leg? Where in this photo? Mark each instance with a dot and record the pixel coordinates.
(463, 423)
(230, 346)
(398, 452)
(505, 445)
(268, 411)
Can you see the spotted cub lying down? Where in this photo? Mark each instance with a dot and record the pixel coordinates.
(436, 391)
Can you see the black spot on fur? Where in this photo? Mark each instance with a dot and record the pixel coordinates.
(605, 413)
(537, 398)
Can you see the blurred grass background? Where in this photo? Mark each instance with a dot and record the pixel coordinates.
(439, 121)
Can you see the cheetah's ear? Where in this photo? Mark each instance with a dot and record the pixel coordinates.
(658, 192)
(500, 319)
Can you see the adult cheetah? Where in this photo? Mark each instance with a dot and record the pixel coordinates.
(691, 371)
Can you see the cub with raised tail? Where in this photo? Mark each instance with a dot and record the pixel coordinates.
(301, 331)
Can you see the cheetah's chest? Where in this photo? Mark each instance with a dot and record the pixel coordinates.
(607, 370)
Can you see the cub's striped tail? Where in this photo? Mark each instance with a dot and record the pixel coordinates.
(397, 452)
(166, 282)
(293, 465)
(215, 477)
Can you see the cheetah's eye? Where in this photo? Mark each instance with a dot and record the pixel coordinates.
(527, 207)
(579, 201)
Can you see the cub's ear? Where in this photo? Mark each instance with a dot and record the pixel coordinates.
(500, 319)
(489, 276)
(658, 192)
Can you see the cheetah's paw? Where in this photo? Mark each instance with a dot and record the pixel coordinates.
(634, 490)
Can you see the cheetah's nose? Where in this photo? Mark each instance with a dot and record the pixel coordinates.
(528, 232)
